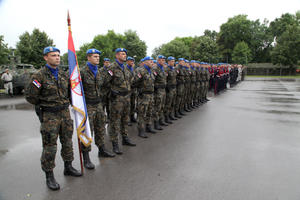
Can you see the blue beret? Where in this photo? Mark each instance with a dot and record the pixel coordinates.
(142, 60)
(176, 63)
(147, 58)
(193, 61)
(155, 61)
(93, 51)
(130, 58)
(171, 58)
(106, 59)
(187, 61)
(181, 59)
(121, 50)
(50, 49)
(161, 57)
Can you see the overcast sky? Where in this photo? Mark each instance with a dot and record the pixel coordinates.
(156, 21)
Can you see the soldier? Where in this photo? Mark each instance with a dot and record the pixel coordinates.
(180, 79)
(193, 83)
(145, 85)
(92, 84)
(105, 92)
(119, 80)
(133, 96)
(49, 90)
(160, 74)
(171, 90)
(7, 79)
(206, 83)
(187, 85)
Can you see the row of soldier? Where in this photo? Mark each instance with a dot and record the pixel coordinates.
(157, 91)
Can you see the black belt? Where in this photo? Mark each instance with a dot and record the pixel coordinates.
(171, 86)
(7, 81)
(160, 86)
(193, 81)
(54, 109)
(120, 93)
(147, 92)
(92, 101)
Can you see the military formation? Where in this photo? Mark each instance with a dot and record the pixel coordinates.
(153, 93)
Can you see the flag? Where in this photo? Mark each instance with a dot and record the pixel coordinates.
(78, 101)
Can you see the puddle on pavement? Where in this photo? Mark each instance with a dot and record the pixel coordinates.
(22, 106)
(284, 100)
(271, 111)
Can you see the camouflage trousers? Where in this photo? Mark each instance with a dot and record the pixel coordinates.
(205, 90)
(180, 97)
(198, 91)
(192, 93)
(170, 101)
(119, 116)
(133, 98)
(202, 90)
(97, 120)
(159, 104)
(187, 92)
(54, 125)
(145, 110)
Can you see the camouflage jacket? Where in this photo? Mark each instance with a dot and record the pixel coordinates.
(44, 90)
(207, 75)
(171, 78)
(193, 75)
(92, 86)
(119, 80)
(198, 74)
(180, 74)
(187, 76)
(105, 90)
(160, 76)
(144, 80)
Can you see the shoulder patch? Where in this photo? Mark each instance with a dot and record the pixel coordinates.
(36, 83)
(177, 71)
(155, 73)
(166, 73)
(139, 75)
(110, 72)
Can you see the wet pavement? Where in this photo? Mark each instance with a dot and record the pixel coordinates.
(243, 144)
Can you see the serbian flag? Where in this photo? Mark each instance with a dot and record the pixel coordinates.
(78, 101)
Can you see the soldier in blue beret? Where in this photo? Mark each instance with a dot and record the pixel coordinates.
(133, 96)
(119, 80)
(48, 90)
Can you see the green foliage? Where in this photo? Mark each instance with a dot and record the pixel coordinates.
(4, 51)
(177, 48)
(287, 49)
(241, 53)
(204, 48)
(111, 41)
(212, 34)
(31, 46)
(135, 46)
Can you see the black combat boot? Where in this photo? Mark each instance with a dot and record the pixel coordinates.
(167, 120)
(171, 117)
(102, 152)
(70, 170)
(162, 123)
(116, 149)
(181, 112)
(51, 182)
(186, 109)
(126, 141)
(86, 160)
(132, 119)
(206, 99)
(157, 126)
(149, 129)
(142, 133)
(177, 114)
(129, 123)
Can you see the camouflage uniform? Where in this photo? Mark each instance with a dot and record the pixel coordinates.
(105, 91)
(187, 85)
(145, 87)
(133, 94)
(171, 90)
(202, 84)
(120, 83)
(198, 85)
(92, 92)
(53, 97)
(193, 85)
(206, 85)
(159, 92)
(180, 78)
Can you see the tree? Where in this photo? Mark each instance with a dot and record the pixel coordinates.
(4, 51)
(176, 48)
(135, 46)
(287, 49)
(241, 53)
(205, 48)
(30, 47)
(212, 34)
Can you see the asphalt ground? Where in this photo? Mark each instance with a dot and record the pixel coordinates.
(243, 144)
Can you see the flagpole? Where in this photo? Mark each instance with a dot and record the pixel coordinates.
(79, 145)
